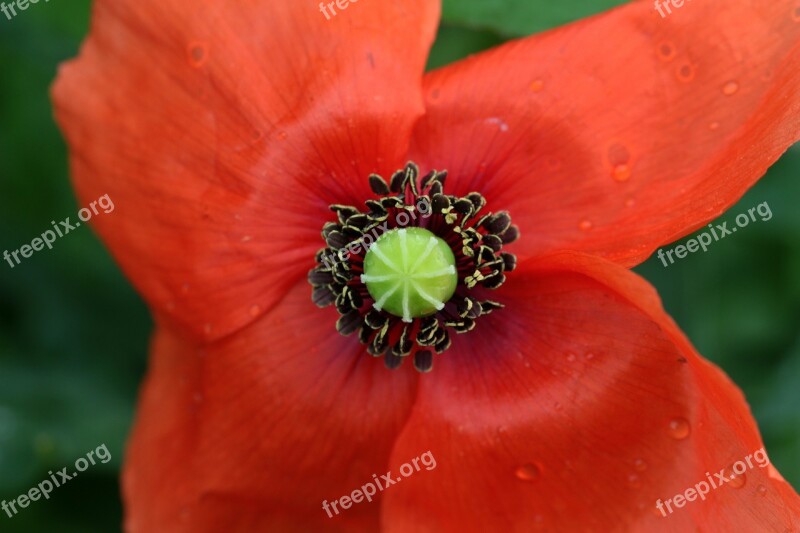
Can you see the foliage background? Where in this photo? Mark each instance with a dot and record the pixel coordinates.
(73, 334)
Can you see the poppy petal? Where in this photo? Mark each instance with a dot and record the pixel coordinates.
(578, 407)
(624, 131)
(222, 133)
(256, 431)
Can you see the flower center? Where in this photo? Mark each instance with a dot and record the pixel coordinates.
(410, 273)
(413, 267)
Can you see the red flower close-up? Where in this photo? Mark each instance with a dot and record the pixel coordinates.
(392, 299)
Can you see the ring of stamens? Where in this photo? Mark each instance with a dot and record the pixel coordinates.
(346, 274)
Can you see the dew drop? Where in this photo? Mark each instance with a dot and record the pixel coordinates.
(196, 54)
(630, 202)
(621, 173)
(679, 428)
(571, 357)
(585, 225)
(619, 157)
(640, 465)
(713, 126)
(589, 356)
(528, 472)
(685, 72)
(666, 51)
(537, 85)
(735, 480)
(762, 490)
(255, 310)
(501, 125)
(730, 88)
(282, 136)
(634, 481)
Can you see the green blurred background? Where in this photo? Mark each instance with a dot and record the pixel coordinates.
(73, 334)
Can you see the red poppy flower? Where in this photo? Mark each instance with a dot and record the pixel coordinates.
(223, 133)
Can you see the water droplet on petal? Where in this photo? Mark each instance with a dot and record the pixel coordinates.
(666, 51)
(640, 465)
(730, 88)
(207, 329)
(537, 85)
(589, 356)
(621, 173)
(528, 472)
(571, 357)
(713, 126)
(634, 481)
(685, 72)
(282, 136)
(196, 53)
(501, 125)
(735, 480)
(255, 310)
(585, 225)
(762, 490)
(619, 158)
(679, 428)
(630, 202)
